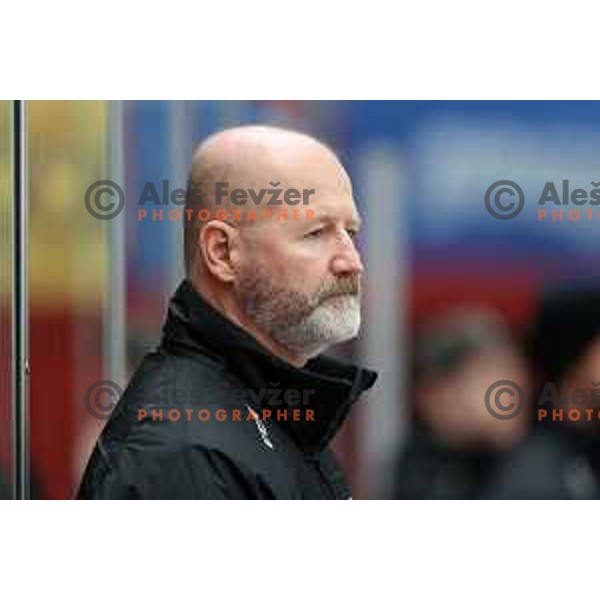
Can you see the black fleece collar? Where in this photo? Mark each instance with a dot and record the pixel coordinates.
(326, 386)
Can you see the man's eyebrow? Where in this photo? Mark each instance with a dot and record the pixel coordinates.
(353, 221)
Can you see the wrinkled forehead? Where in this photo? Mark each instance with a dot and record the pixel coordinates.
(295, 166)
(309, 184)
(333, 209)
(259, 158)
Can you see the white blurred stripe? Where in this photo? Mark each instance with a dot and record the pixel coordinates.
(382, 176)
(180, 158)
(115, 334)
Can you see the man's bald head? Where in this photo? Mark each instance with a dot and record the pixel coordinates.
(245, 157)
(294, 284)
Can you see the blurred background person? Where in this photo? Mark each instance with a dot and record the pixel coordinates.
(455, 445)
(561, 459)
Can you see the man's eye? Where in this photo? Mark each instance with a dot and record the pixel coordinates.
(315, 233)
(352, 233)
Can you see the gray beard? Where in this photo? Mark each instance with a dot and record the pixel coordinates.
(303, 324)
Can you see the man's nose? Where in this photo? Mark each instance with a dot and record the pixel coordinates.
(346, 259)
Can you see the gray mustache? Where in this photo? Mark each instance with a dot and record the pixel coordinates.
(340, 287)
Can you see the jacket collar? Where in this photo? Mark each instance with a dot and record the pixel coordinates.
(326, 386)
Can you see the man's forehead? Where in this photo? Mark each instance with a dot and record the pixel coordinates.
(350, 217)
(330, 210)
(322, 174)
(256, 156)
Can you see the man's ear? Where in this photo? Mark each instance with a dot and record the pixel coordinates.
(219, 246)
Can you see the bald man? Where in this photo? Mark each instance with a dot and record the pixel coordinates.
(238, 401)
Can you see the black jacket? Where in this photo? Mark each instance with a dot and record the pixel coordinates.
(206, 364)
